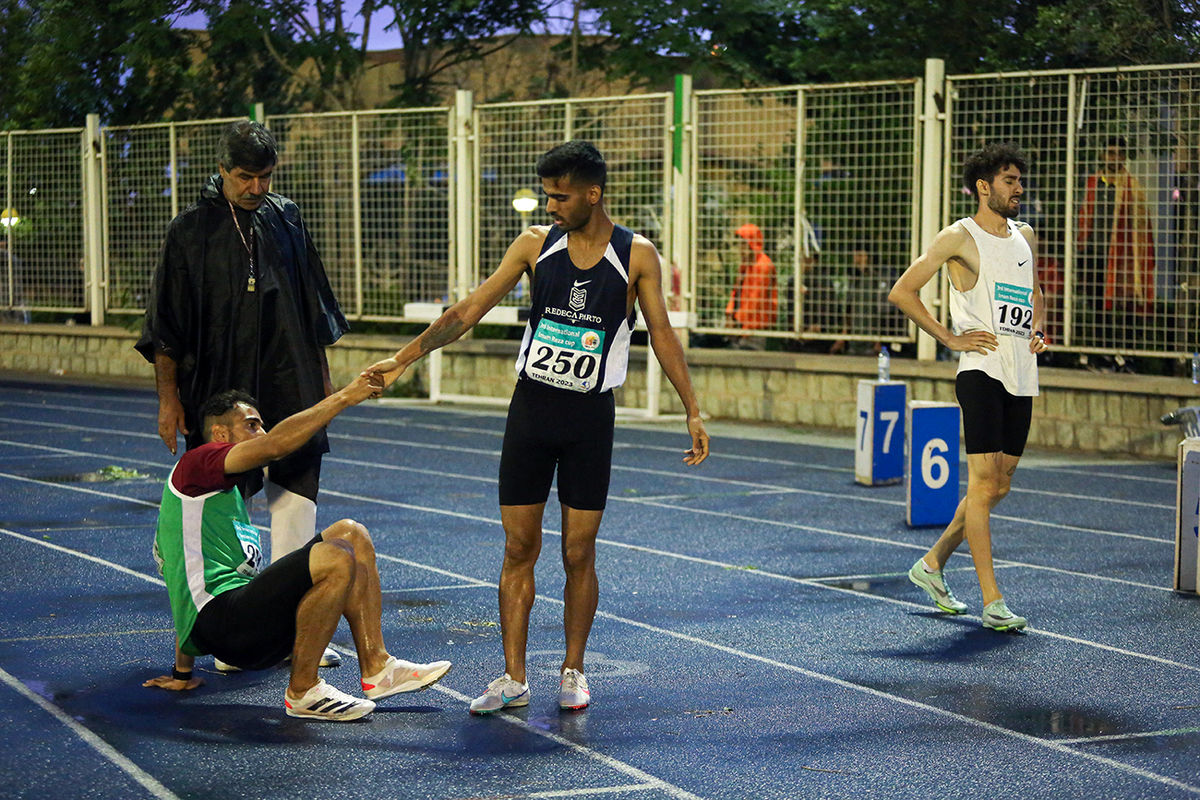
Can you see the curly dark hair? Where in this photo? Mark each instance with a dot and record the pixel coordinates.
(575, 160)
(221, 404)
(987, 163)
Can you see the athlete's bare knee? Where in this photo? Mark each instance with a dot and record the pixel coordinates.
(521, 551)
(332, 559)
(578, 556)
(345, 529)
(354, 534)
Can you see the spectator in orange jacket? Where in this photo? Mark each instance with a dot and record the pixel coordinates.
(753, 302)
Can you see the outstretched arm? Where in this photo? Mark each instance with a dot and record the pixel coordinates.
(646, 271)
(465, 314)
(291, 433)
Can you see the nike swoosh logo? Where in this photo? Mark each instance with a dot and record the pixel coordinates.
(1022, 263)
(504, 698)
(581, 283)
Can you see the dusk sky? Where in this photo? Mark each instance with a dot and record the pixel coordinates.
(379, 38)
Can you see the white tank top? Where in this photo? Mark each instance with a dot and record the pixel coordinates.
(1001, 302)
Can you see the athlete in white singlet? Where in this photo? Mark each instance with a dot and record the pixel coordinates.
(587, 274)
(997, 313)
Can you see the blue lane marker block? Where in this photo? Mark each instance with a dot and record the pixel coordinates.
(932, 462)
(879, 433)
(1187, 516)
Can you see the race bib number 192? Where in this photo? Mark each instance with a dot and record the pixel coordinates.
(565, 356)
(1012, 308)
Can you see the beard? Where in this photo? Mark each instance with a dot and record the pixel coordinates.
(1004, 208)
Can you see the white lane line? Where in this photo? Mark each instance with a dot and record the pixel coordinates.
(892, 543)
(1073, 496)
(23, 479)
(633, 787)
(143, 778)
(626, 769)
(1124, 737)
(766, 487)
(492, 453)
(68, 426)
(646, 780)
(669, 788)
(777, 576)
(813, 582)
(878, 575)
(364, 419)
(365, 414)
(1064, 527)
(840, 682)
(86, 556)
(707, 495)
(433, 588)
(74, 636)
(25, 458)
(1143, 478)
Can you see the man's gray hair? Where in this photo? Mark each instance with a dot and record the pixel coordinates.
(248, 145)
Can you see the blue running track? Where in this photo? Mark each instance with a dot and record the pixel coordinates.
(757, 635)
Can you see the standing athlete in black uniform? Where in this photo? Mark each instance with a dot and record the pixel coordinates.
(587, 272)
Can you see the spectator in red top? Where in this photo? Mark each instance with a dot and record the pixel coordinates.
(753, 303)
(1116, 242)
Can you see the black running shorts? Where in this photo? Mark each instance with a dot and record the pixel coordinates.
(254, 626)
(994, 421)
(552, 428)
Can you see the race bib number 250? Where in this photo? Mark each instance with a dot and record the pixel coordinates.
(565, 356)
(1012, 309)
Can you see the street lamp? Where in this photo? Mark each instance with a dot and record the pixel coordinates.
(525, 202)
(9, 217)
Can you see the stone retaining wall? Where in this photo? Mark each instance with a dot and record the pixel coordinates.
(1113, 414)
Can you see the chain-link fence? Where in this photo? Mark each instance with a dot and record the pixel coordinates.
(631, 132)
(41, 224)
(1112, 191)
(805, 202)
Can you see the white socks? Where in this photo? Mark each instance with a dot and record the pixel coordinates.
(293, 520)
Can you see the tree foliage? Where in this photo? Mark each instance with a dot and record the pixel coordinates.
(436, 38)
(292, 54)
(763, 42)
(64, 59)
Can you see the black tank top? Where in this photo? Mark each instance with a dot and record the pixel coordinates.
(577, 335)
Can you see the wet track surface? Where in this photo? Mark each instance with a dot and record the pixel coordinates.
(757, 636)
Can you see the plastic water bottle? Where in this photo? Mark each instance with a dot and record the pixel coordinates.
(1196, 366)
(883, 365)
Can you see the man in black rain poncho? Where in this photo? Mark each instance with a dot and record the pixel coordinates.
(240, 300)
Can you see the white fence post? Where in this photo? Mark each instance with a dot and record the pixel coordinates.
(356, 212)
(463, 176)
(933, 124)
(682, 173)
(93, 224)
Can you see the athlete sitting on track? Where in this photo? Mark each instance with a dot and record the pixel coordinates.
(210, 557)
